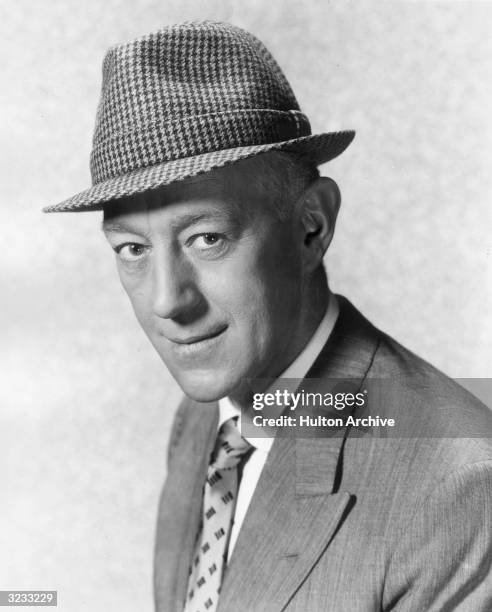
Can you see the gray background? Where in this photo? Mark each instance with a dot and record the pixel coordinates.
(86, 405)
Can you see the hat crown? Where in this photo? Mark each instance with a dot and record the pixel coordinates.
(192, 68)
(189, 89)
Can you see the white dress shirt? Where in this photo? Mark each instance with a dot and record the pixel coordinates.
(257, 459)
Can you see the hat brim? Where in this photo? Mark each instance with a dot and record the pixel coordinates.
(320, 148)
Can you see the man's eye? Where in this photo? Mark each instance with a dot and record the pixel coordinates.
(203, 242)
(130, 251)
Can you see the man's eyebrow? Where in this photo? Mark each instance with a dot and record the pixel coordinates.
(188, 219)
(116, 226)
(179, 223)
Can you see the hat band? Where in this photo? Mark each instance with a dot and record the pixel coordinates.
(159, 142)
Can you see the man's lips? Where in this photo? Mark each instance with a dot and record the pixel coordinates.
(196, 348)
(199, 337)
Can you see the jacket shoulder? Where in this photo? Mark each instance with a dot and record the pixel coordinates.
(430, 407)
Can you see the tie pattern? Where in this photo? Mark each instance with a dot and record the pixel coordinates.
(219, 501)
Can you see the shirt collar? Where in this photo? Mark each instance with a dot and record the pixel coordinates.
(296, 371)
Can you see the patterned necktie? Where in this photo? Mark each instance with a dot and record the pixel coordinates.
(219, 502)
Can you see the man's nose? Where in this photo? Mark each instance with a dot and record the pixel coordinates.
(174, 291)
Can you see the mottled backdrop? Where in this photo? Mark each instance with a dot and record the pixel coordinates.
(86, 406)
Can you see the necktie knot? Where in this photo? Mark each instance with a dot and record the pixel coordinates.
(230, 447)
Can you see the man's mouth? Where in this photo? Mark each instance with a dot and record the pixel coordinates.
(196, 339)
(188, 349)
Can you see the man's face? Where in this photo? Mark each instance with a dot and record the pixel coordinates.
(214, 279)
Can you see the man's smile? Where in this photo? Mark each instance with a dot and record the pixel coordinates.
(197, 345)
(199, 337)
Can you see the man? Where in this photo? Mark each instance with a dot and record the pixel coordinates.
(205, 168)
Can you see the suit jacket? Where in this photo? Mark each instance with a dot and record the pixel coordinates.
(355, 521)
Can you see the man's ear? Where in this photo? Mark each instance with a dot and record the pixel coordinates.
(318, 212)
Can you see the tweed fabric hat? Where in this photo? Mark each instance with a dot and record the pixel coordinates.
(185, 100)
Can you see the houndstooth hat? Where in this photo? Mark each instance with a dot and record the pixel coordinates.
(185, 100)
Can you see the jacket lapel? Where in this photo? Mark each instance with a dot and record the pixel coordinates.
(298, 502)
(180, 507)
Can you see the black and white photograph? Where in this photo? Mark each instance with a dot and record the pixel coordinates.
(246, 308)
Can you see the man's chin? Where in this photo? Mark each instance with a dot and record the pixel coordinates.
(204, 387)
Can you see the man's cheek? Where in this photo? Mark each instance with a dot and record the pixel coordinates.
(142, 309)
(134, 289)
